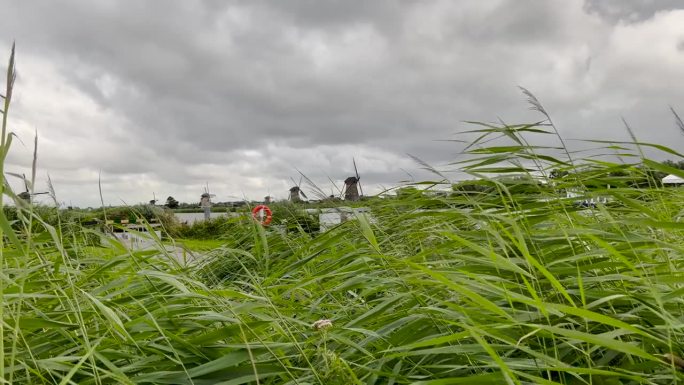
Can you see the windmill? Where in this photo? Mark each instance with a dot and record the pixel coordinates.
(296, 193)
(352, 186)
(27, 194)
(153, 201)
(205, 202)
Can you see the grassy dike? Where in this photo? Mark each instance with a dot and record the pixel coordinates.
(509, 282)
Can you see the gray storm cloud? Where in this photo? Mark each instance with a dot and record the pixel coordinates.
(165, 97)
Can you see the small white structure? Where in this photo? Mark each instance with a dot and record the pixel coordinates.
(331, 217)
(673, 180)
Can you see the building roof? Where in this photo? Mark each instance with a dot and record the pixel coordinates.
(673, 179)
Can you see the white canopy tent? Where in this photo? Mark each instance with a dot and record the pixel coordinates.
(673, 179)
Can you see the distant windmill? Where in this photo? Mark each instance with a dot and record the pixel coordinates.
(205, 202)
(27, 194)
(296, 193)
(352, 185)
(154, 199)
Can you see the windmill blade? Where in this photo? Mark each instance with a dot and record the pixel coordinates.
(304, 195)
(317, 191)
(343, 190)
(358, 177)
(206, 191)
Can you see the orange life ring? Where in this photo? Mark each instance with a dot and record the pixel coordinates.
(260, 218)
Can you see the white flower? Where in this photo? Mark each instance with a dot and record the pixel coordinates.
(322, 324)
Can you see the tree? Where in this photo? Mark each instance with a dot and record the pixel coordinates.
(675, 164)
(171, 203)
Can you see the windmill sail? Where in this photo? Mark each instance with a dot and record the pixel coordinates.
(358, 177)
(296, 193)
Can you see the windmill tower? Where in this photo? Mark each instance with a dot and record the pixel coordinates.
(352, 185)
(296, 193)
(351, 192)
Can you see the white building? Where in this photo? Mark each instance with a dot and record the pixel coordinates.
(673, 180)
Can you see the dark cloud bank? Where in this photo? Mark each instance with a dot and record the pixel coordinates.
(166, 96)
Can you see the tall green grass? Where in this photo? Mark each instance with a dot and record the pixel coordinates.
(511, 282)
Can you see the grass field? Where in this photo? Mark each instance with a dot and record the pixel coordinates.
(505, 281)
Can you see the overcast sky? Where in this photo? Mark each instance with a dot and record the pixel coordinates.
(164, 96)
